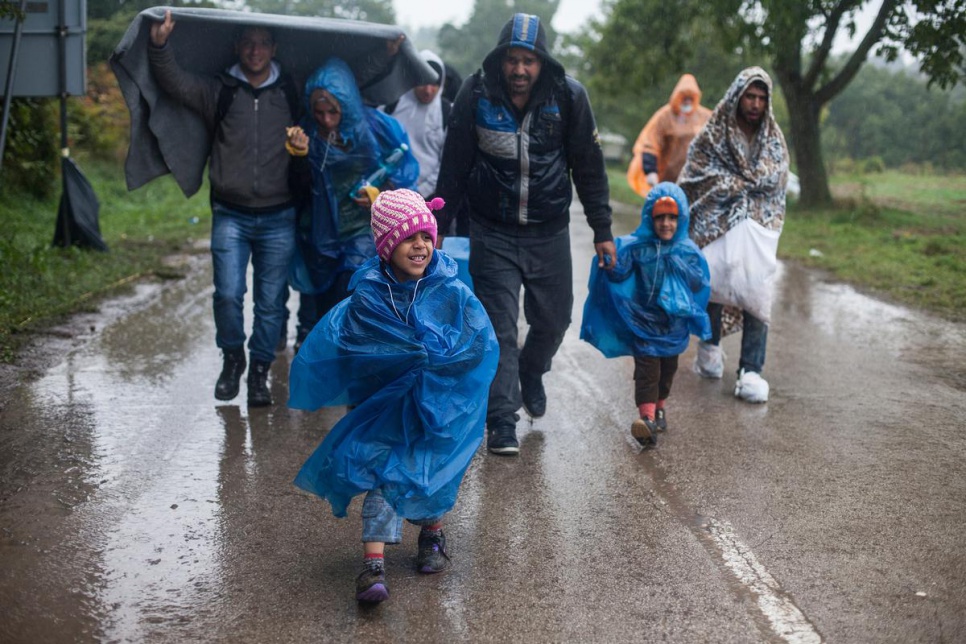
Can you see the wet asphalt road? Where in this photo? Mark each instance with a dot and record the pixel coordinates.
(134, 508)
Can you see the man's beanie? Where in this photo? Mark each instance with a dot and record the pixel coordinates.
(398, 214)
(524, 30)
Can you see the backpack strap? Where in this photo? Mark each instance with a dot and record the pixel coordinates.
(447, 108)
(226, 95)
(391, 107)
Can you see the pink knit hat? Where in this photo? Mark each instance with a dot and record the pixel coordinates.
(398, 214)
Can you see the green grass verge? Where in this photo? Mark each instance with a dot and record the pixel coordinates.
(901, 237)
(40, 283)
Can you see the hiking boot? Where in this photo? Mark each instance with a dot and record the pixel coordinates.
(503, 440)
(533, 393)
(232, 369)
(644, 431)
(258, 393)
(709, 361)
(660, 420)
(751, 387)
(371, 584)
(432, 557)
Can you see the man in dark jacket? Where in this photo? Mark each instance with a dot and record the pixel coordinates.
(521, 130)
(253, 215)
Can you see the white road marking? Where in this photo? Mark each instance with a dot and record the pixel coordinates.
(786, 620)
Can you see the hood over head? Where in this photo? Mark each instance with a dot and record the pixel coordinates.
(433, 60)
(526, 32)
(664, 189)
(337, 79)
(686, 86)
(741, 83)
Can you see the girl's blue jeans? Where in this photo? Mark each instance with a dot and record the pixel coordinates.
(381, 523)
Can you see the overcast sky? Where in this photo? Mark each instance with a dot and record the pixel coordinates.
(571, 14)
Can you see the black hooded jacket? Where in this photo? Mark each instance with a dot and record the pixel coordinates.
(512, 171)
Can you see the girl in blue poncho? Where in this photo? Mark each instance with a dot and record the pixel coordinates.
(650, 303)
(340, 142)
(413, 353)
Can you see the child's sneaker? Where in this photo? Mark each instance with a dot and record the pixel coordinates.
(660, 420)
(709, 360)
(751, 387)
(371, 583)
(432, 555)
(644, 431)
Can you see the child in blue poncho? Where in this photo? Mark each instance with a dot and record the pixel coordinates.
(651, 302)
(412, 352)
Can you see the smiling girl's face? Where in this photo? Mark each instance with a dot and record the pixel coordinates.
(411, 257)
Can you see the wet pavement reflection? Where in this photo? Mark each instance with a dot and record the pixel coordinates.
(134, 507)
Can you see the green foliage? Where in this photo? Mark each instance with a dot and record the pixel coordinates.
(465, 47)
(892, 114)
(30, 157)
(40, 282)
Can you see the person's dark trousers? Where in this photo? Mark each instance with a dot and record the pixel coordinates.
(754, 338)
(500, 264)
(314, 306)
(653, 378)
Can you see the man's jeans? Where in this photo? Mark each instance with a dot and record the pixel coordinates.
(268, 239)
(754, 338)
(499, 265)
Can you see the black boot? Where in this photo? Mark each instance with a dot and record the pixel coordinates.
(231, 373)
(258, 394)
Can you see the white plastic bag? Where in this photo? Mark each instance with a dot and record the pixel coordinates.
(743, 264)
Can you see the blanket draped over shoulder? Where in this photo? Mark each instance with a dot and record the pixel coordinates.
(169, 137)
(415, 359)
(722, 183)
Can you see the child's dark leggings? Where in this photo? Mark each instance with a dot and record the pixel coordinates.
(653, 378)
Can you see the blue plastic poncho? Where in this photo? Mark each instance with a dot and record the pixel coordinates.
(336, 236)
(416, 359)
(656, 294)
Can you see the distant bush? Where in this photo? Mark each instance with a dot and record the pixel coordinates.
(100, 122)
(873, 165)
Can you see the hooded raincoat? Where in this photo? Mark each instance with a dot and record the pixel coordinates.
(656, 295)
(416, 360)
(334, 233)
(662, 145)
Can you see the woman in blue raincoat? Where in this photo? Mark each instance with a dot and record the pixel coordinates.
(650, 304)
(340, 142)
(412, 352)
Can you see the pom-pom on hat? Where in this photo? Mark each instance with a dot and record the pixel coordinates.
(665, 206)
(398, 214)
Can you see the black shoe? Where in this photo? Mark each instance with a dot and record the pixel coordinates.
(533, 393)
(503, 440)
(432, 555)
(644, 431)
(231, 372)
(371, 585)
(258, 393)
(660, 419)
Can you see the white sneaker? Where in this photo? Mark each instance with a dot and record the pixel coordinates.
(709, 361)
(751, 387)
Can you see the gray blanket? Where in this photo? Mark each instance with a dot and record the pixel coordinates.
(169, 137)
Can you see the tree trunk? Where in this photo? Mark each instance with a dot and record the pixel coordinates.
(803, 111)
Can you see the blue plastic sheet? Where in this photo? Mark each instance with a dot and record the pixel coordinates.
(416, 360)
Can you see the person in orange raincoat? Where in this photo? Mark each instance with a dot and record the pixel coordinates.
(662, 146)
